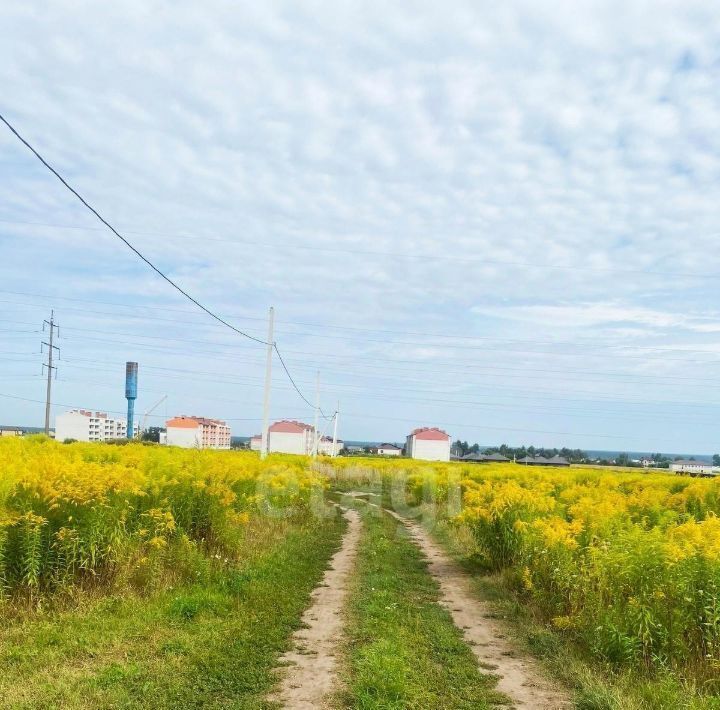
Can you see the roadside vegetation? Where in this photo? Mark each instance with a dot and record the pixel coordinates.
(143, 577)
(619, 571)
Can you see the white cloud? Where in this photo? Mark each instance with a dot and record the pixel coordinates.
(540, 135)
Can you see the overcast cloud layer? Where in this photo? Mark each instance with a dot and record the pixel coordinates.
(499, 220)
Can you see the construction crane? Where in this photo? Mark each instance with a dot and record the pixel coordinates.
(150, 411)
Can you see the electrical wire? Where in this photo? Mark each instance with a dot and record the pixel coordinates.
(136, 251)
(292, 381)
(281, 248)
(141, 256)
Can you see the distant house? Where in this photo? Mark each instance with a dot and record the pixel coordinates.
(557, 461)
(486, 458)
(428, 444)
(325, 446)
(256, 442)
(695, 468)
(542, 461)
(387, 450)
(11, 431)
(291, 437)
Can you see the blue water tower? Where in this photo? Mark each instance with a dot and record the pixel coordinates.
(131, 375)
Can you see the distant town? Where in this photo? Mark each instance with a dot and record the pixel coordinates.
(295, 437)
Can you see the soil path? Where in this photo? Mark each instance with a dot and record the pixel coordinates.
(311, 675)
(520, 677)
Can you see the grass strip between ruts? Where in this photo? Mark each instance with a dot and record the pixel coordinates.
(402, 648)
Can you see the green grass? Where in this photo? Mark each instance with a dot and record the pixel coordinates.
(210, 644)
(403, 650)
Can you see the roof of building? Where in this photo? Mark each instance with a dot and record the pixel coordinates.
(495, 457)
(290, 427)
(389, 446)
(182, 423)
(191, 422)
(88, 413)
(430, 434)
(485, 457)
(559, 460)
(688, 462)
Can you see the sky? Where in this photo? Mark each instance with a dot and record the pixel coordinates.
(502, 220)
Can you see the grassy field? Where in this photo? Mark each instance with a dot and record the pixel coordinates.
(146, 576)
(212, 643)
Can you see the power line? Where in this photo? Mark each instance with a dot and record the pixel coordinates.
(140, 255)
(280, 247)
(592, 346)
(364, 416)
(123, 239)
(546, 409)
(292, 381)
(494, 428)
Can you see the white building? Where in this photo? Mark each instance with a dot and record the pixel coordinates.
(11, 431)
(325, 446)
(695, 468)
(197, 433)
(429, 444)
(84, 425)
(291, 437)
(256, 442)
(387, 450)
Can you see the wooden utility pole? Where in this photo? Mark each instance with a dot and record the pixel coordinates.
(317, 415)
(264, 443)
(335, 428)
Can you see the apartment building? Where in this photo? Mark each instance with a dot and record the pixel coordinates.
(291, 437)
(86, 425)
(429, 444)
(197, 433)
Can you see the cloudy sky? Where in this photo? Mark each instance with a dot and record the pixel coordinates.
(498, 219)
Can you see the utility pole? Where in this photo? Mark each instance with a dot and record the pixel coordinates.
(335, 428)
(264, 443)
(50, 367)
(317, 414)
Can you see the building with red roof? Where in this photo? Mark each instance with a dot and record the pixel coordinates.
(291, 437)
(428, 444)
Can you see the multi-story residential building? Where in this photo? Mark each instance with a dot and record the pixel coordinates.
(85, 425)
(291, 437)
(429, 444)
(197, 433)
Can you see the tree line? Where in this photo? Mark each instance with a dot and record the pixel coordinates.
(462, 448)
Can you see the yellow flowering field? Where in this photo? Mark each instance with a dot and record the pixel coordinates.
(626, 564)
(86, 513)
